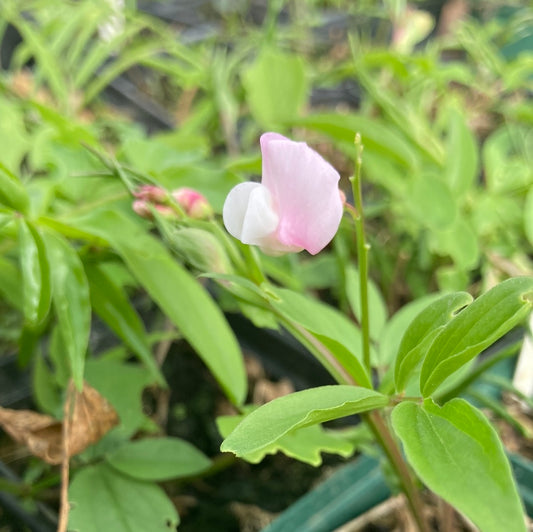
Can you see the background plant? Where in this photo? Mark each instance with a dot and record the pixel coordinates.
(72, 248)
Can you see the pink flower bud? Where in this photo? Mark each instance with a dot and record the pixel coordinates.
(151, 193)
(193, 203)
(166, 212)
(296, 206)
(142, 208)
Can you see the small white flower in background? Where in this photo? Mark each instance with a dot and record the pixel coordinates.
(114, 25)
(523, 376)
(296, 206)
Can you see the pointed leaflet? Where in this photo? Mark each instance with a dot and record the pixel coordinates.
(431, 201)
(528, 215)
(178, 294)
(305, 444)
(12, 191)
(10, 283)
(274, 420)
(112, 305)
(463, 159)
(158, 459)
(35, 269)
(126, 399)
(421, 332)
(379, 137)
(276, 86)
(457, 454)
(71, 302)
(391, 336)
(476, 328)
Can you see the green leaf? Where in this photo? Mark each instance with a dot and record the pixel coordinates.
(158, 459)
(178, 294)
(11, 283)
(71, 302)
(432, 202)
(462, 157)
(422, 331)
(320, 272)
(506, 159)
(152, 155)
(12, 191)
(305, 444)
(476, 328)
(412, 124)
(276, 86)
(395, 328)
(46, 392)
(459, 242)
(451, 279)
(272, 421)
(376, 305)
(35, 269)
(28, 345)
(378, 137)
(112, 305)
(130, 55)
(458, 455)
(59, 357)
(528, 215)
(49, 65)
(15, 143)
(127, 398)
(324, 322)
(103, 499)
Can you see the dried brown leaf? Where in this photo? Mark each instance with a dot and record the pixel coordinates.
(92, 417)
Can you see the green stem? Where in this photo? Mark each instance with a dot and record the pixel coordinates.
(389, 446)
(373, 419)
(362, 252)
(230, 246)
(319, 350)
(254, 266)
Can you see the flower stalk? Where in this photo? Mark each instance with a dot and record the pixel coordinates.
(374, 419)
(362, 251)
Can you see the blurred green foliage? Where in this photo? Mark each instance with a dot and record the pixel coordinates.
(446, 121)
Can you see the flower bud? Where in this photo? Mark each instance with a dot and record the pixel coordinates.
(200, 249)
(193, 203)
(151, 193)
(142, 208)
(166, 212)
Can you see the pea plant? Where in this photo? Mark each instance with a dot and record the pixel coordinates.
(448, 444)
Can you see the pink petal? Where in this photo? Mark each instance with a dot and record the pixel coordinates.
(305, 192)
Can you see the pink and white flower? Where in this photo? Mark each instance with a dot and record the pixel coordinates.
(296, 206)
